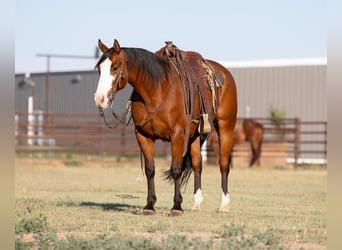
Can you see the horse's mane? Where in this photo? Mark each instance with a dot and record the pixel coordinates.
(153, 65)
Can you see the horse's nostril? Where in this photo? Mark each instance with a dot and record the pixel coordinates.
(99, 99)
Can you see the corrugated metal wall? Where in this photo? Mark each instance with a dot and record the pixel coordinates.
(66, 93)
(300, 91)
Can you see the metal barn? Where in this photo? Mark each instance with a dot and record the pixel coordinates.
(298, 87)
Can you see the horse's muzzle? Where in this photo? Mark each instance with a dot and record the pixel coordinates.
(101, 101)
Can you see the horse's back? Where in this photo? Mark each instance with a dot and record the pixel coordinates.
(253, 128)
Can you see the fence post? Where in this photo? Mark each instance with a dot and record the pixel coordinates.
(30, 121)
(16, 131)
(325, 144)
(52, 126)
(297, 142)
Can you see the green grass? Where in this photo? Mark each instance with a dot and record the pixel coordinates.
(98, 204)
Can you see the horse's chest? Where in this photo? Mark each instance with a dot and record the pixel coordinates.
(161, 129)
(159, 125)
(151, 126)
(156, 130)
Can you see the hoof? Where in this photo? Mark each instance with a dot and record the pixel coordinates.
(174, 212)
(148, 212)
(195, 208)
(223, 210)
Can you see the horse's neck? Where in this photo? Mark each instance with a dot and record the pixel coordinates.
(152, 93)
(147, 92)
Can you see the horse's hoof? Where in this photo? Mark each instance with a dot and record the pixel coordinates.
(148, 212)
(223, 210)
(174, 212)
(195, 208)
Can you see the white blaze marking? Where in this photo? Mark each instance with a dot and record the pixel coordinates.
(198, 198)
(106, 79)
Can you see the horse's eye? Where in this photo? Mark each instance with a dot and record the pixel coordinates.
(114, 68)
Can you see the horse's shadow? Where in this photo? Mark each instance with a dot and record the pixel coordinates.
(118, 207)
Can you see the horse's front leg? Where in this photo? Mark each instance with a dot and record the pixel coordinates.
(147, 148)
(177, 150)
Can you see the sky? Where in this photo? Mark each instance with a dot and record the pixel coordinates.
(223, 30)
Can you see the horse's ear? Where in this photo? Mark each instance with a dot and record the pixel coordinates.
(102, 47)
(116, 46)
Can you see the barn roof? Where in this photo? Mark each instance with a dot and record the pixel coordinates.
(275, 62)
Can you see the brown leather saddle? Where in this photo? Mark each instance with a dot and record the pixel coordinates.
(198, 78)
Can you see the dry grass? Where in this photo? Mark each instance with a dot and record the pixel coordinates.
(89, 196)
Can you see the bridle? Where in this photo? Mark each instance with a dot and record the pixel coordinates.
(150, 116)
(117, 82)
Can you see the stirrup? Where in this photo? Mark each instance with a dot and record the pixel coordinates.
(204, 126)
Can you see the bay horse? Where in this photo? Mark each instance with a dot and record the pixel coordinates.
(247, 130)
(253, 132)
(159, 111)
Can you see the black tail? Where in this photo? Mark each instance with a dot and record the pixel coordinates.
(186, 171)
(186, 166)
(231, 157)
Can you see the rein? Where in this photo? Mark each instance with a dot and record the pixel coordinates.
(128, 107)
(104, 119)
(128, 110)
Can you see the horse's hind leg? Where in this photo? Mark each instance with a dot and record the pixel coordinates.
(256, 142)
(259, 147)
(147, 148)
(254, 155)
(225, 131)
(196, 160)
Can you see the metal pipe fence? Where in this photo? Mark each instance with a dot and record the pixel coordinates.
(87, 133)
